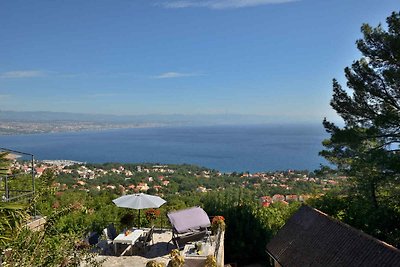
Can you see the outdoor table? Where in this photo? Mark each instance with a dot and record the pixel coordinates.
(127, 239)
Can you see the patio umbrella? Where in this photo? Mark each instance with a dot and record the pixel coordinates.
(139, 201)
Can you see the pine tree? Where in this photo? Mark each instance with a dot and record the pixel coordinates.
(367, 147)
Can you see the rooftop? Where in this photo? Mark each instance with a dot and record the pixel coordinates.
(312, 238)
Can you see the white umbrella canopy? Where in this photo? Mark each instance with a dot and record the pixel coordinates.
(138, 202)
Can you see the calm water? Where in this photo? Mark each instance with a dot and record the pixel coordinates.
(225, 148)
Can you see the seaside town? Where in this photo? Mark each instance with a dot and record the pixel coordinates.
(265, 199)
(134, 178)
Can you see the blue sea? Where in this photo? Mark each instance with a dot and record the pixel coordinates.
(225, 148)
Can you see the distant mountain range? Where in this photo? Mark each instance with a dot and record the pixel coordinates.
(173, 119)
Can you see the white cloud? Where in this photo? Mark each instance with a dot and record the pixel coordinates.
(18, 74)
(220, 4)
(169, 75)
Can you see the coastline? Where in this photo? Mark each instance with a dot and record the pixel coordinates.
(31, 128)
(225, 148)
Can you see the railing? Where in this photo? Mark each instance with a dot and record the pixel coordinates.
(9, 194)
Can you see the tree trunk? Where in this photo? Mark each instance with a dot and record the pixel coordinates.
(373, 194)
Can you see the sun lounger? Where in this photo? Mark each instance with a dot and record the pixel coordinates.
(188, 225)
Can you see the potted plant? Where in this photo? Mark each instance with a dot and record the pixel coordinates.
(176, 259)
(218, 222)
(152, 215)
(198, 246)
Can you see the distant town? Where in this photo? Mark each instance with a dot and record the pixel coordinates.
(13, 128)
(31, 122)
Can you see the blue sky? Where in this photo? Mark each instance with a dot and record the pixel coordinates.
(266, 57)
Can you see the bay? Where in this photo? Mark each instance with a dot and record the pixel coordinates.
(225, 148)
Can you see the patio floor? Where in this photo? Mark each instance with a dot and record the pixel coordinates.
(159, 252)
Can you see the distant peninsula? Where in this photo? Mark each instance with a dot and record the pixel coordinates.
(35, 122)
(21, 127)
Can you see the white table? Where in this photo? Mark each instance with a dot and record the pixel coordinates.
(127, 239)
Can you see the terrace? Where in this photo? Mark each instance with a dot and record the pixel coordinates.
(189, 238)
(161, 248)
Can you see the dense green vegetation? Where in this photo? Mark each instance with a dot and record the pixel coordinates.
(249, 226)
(79, 209)
(53, 245)
(76, 210)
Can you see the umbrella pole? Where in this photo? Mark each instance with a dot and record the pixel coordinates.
(139, 218)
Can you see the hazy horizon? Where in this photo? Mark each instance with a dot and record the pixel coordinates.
(203, 119)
